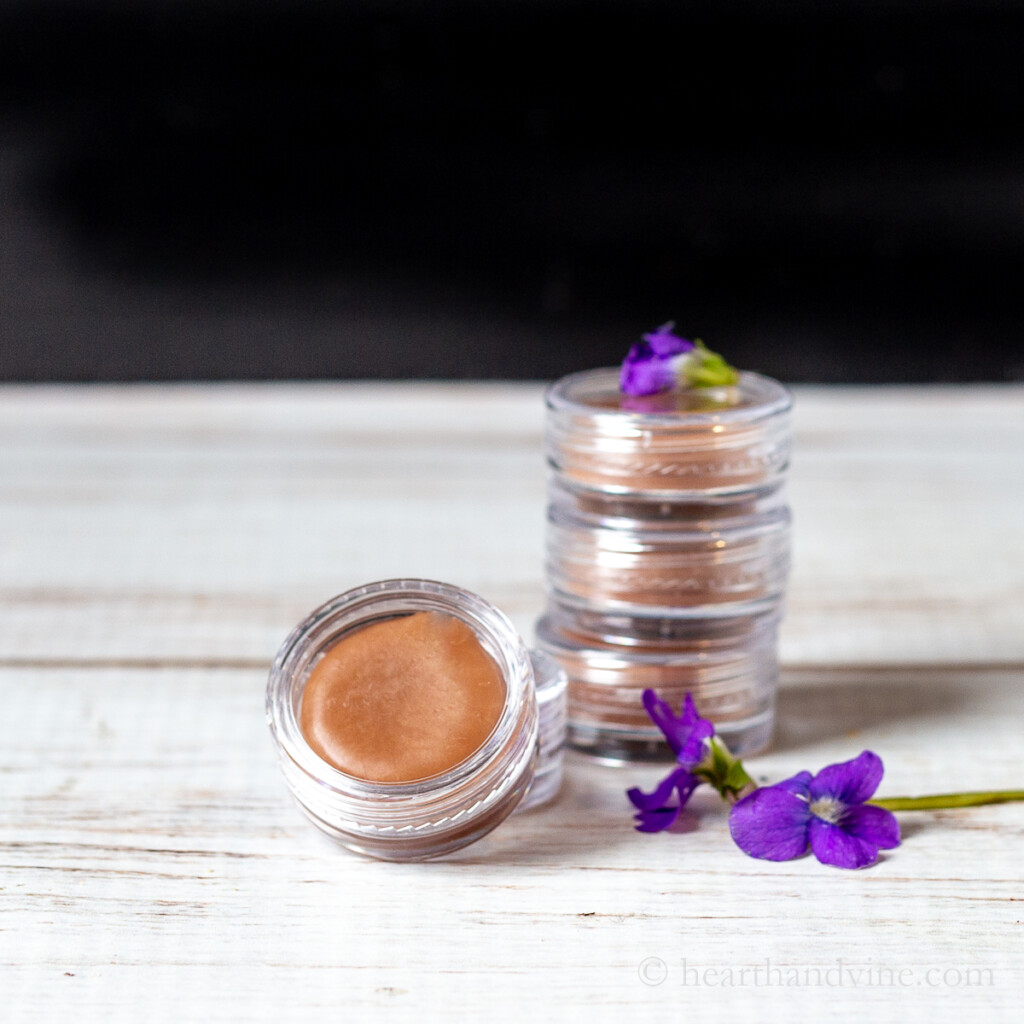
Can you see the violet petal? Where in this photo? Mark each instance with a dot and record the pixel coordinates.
(655, 814)
(771, 824)
(831, 845)
(692, 751)
(874, 824)
(679, 779)
(664, 343)
(851, 782)
(657, 820)
(686, 733)
(797, 785)
(645, 373)
(689, 715)
(675, 731)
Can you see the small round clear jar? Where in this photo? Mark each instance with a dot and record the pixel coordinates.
(670, 566)
(426, 818)
(598, 439)
(728, 665)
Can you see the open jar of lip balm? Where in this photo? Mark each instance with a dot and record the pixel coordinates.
(410, 720)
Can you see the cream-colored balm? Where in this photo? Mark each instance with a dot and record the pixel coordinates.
(402, 699)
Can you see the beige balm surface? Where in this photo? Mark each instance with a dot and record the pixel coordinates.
(402, 699)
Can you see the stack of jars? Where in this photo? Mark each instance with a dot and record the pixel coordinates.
(668, 539)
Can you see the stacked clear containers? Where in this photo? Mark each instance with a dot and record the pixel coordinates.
(668, 542)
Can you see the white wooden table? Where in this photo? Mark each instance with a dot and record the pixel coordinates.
(157, 543)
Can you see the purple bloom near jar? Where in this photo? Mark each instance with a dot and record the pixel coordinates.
(827, 813)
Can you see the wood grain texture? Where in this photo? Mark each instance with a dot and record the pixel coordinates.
(199, 523)
(149, 848)
(156, 544)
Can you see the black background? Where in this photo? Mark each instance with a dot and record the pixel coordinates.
(827, 191)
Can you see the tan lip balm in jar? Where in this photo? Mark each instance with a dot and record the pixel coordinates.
(668, 541)
(410, 720)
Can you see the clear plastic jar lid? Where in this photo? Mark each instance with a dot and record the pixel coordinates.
(551, 683)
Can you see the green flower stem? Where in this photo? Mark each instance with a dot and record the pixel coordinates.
(725, 771)
(943, 800)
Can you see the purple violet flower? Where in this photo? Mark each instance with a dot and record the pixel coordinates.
(652, 364)
(688, 736)
(827, 812)
(661, 361)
